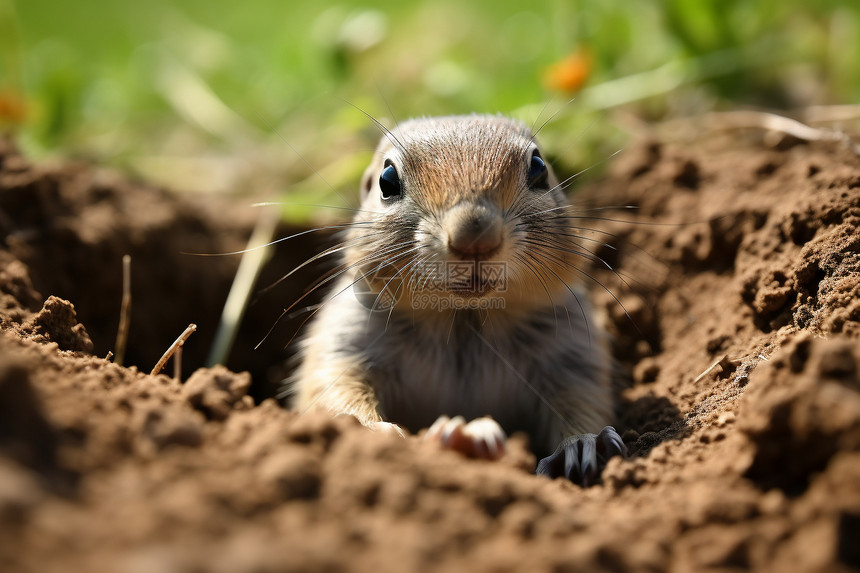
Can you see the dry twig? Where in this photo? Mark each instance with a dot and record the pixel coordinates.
(125, 311)
(176, 344)
(723, 363)
(780, 125)
(177, 363)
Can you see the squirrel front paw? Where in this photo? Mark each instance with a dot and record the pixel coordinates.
(581, 458)
(481, 438)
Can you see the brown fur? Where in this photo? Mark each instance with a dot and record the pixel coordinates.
(538, 364)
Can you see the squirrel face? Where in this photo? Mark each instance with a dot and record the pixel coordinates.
(467, 206)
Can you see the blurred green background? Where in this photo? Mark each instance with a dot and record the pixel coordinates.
(211, 96)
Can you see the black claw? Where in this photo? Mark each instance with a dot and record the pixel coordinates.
(610, 444)
(589, 461)
(573, 459)
(581, 458)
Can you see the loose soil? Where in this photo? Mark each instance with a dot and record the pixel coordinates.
(735, 310)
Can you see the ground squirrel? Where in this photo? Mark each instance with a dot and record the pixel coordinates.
(458, 297)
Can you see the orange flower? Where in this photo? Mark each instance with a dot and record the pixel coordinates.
(569, 74)
(13, 108)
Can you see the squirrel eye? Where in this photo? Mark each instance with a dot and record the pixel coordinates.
(389, 183)
(538, 174)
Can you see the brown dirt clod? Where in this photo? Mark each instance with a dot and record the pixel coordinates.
(740, 329)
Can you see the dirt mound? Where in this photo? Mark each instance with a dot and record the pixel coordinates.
(734, 307)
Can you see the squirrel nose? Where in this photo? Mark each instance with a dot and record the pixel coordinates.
(473, 228)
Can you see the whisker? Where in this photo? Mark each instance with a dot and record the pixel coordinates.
(629, 243)
(614, 220)
(414, 278)
(552, 243)
(552, 117)
(585, 253)
(300, 311)
(563, 185)
(429, 274)
(341, 291)
(588, 255)
(604, 287)
(318, 285)
(530, 386)
(579, 135)
(391, 310)
(281, 240)
(330, 251)
(305, 161)
(385, 131)
(317, 205)
(388, 282)
(388, 107)
(525, 193)
(543, 284)
(579, 209)
(574, 236)
(537, 119)
(451, 327)
(533, 255)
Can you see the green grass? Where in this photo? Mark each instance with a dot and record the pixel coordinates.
(201, 95)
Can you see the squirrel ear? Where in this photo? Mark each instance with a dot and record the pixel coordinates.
(367, 181)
